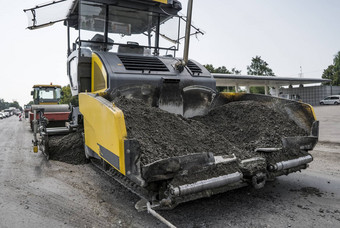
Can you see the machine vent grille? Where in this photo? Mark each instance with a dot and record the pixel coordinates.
(143, 63)
(194, 68)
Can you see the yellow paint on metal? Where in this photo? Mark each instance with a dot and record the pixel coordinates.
(50, 86)
(98, 75)
(312, 110)
(104, 125)
(232, 96)
(161, 1)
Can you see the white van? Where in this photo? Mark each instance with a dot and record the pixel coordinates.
(334, 99)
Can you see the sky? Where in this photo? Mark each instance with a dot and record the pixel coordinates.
(287, 34)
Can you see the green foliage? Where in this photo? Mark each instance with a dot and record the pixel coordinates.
(333, 72)
(336, 61)
(210, 68)
(6, 105)
(257, 89)
(67, 97)
(3, 104)
(221, 69)
(259, 67)
(16, 105)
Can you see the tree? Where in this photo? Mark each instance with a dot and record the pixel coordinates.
(2, 104)
(336, 61)
(223, 70)
(16, 105)
(6, 105)
(333, 72)
(235, 71)
(67, 97)
(259, 67)
(210, 68)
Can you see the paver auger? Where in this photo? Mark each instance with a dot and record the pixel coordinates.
(118, 53)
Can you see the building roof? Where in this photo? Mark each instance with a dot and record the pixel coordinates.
(254, 80)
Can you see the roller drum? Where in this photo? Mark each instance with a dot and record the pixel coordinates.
(52, 108)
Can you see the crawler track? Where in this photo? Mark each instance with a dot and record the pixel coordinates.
(123, 180)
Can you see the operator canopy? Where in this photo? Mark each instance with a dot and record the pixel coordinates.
(124, 16)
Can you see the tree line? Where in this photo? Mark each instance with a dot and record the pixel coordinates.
(260, 67)
(257, 67)
(6, 105)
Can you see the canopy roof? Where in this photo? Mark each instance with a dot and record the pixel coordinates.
(254, 80)
(56, 11)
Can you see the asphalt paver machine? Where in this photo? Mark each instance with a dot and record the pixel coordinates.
(130, 48)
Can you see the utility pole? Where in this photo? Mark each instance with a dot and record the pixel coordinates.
(300, 74)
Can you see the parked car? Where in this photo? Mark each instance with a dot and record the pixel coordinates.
(2, 115)
(334, 99)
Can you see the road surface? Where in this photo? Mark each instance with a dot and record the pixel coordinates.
(39, 193)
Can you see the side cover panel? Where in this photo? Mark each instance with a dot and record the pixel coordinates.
(104, 128)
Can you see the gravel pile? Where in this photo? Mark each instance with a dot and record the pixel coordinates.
(251, 124)
(67, 148)
(234, 128)
(163, 135)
